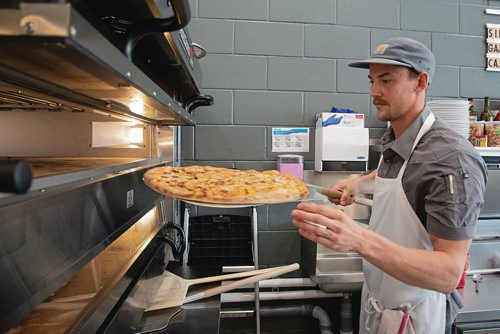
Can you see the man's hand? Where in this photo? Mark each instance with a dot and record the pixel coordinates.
(437, 269)
(341, 233)
(360, 184)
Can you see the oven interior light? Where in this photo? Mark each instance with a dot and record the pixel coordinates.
(135, 135)
(136, 105)
(117, 134)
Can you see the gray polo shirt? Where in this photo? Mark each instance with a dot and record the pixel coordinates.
(445, 178)
(448, 209)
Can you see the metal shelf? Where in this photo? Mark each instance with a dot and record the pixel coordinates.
(489, 151)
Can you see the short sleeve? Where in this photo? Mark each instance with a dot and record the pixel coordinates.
(455, 196)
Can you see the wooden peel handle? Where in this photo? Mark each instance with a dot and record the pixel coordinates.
(363, 201)
(335, 194)
(228, 276)
(249, 280)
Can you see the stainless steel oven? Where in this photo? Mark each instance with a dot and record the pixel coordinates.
(92, 95)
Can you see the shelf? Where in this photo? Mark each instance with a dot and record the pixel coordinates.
(489, 151)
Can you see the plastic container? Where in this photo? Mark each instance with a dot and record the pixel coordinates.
(291, 164)
(492, 130)
(475, 129)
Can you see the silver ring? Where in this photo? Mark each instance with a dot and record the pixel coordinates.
(327, 233)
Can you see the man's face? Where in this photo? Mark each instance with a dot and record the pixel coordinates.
(393, 91)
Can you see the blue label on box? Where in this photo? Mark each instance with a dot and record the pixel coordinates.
(288, 131)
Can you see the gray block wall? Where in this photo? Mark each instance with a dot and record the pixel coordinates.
(280, 62)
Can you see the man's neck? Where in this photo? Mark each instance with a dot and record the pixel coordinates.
(400, 125)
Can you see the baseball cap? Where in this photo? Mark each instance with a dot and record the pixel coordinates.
(401, 51)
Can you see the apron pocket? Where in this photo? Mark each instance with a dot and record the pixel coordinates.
(394, 320)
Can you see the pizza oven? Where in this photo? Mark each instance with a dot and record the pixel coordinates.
(92, 94)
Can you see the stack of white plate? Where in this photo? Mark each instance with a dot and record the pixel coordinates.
(455, 113)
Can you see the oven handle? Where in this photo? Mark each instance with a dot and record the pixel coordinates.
(196, 101)
(15, 176)
(177, 251)
(182, 16)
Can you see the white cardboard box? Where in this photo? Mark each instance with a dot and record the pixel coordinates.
(337, 143)
(327, 119)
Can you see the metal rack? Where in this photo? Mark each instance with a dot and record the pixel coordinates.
(220, 239)
(255, 249)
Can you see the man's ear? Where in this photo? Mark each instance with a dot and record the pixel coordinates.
(423, 81)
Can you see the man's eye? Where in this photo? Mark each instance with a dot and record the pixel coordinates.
(386, 81)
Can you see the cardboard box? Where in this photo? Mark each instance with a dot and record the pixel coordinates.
(327, 119)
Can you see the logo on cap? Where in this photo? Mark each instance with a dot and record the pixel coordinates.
(381, 48)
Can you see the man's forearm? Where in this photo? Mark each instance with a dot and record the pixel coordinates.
(437, 269)
(366, 182)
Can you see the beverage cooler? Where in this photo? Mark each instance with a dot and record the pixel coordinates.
(92, 94)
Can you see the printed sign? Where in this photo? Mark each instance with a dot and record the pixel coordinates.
(290, 140)
(492, 47)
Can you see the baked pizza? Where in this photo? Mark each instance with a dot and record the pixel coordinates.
(225, 186)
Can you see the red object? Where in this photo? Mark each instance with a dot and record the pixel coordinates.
(404, 321)
(461, 283)
(497, 117)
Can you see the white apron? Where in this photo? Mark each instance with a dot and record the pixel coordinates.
(393, 217)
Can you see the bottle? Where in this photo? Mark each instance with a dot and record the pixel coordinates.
(486, 115)
(472, 111)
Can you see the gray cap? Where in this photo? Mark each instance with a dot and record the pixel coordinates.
(402, 51)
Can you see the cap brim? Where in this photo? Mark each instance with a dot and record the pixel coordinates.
(366, 63)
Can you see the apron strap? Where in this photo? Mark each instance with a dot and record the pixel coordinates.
(371, 306)
(374, 306)
(423, 130)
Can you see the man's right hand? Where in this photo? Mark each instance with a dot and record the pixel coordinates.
(349, 188)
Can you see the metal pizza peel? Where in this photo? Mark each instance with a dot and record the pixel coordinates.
(173, 289)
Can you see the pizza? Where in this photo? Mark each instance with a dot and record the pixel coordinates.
(224, 185)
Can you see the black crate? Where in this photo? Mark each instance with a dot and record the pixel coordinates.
(220, 240)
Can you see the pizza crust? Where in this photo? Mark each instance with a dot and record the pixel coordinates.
(217, 185)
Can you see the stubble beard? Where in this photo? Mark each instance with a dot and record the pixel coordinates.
(383, 113)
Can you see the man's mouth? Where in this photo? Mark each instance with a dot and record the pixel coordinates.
(379, 103)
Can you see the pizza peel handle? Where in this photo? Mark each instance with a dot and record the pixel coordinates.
(338, 194)
(173, 289)
(249, 280)
(228, 276)
(335, 194)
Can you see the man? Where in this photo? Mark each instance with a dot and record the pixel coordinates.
(427, 194)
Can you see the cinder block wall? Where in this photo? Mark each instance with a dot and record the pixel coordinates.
(280, 62)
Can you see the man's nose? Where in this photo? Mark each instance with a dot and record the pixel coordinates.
(374, 91)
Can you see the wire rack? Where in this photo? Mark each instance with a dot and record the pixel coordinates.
(220, 240)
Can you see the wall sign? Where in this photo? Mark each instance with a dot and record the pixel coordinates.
(290, 140)
(492, 47)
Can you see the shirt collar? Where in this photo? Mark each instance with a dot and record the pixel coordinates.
(403, 145)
